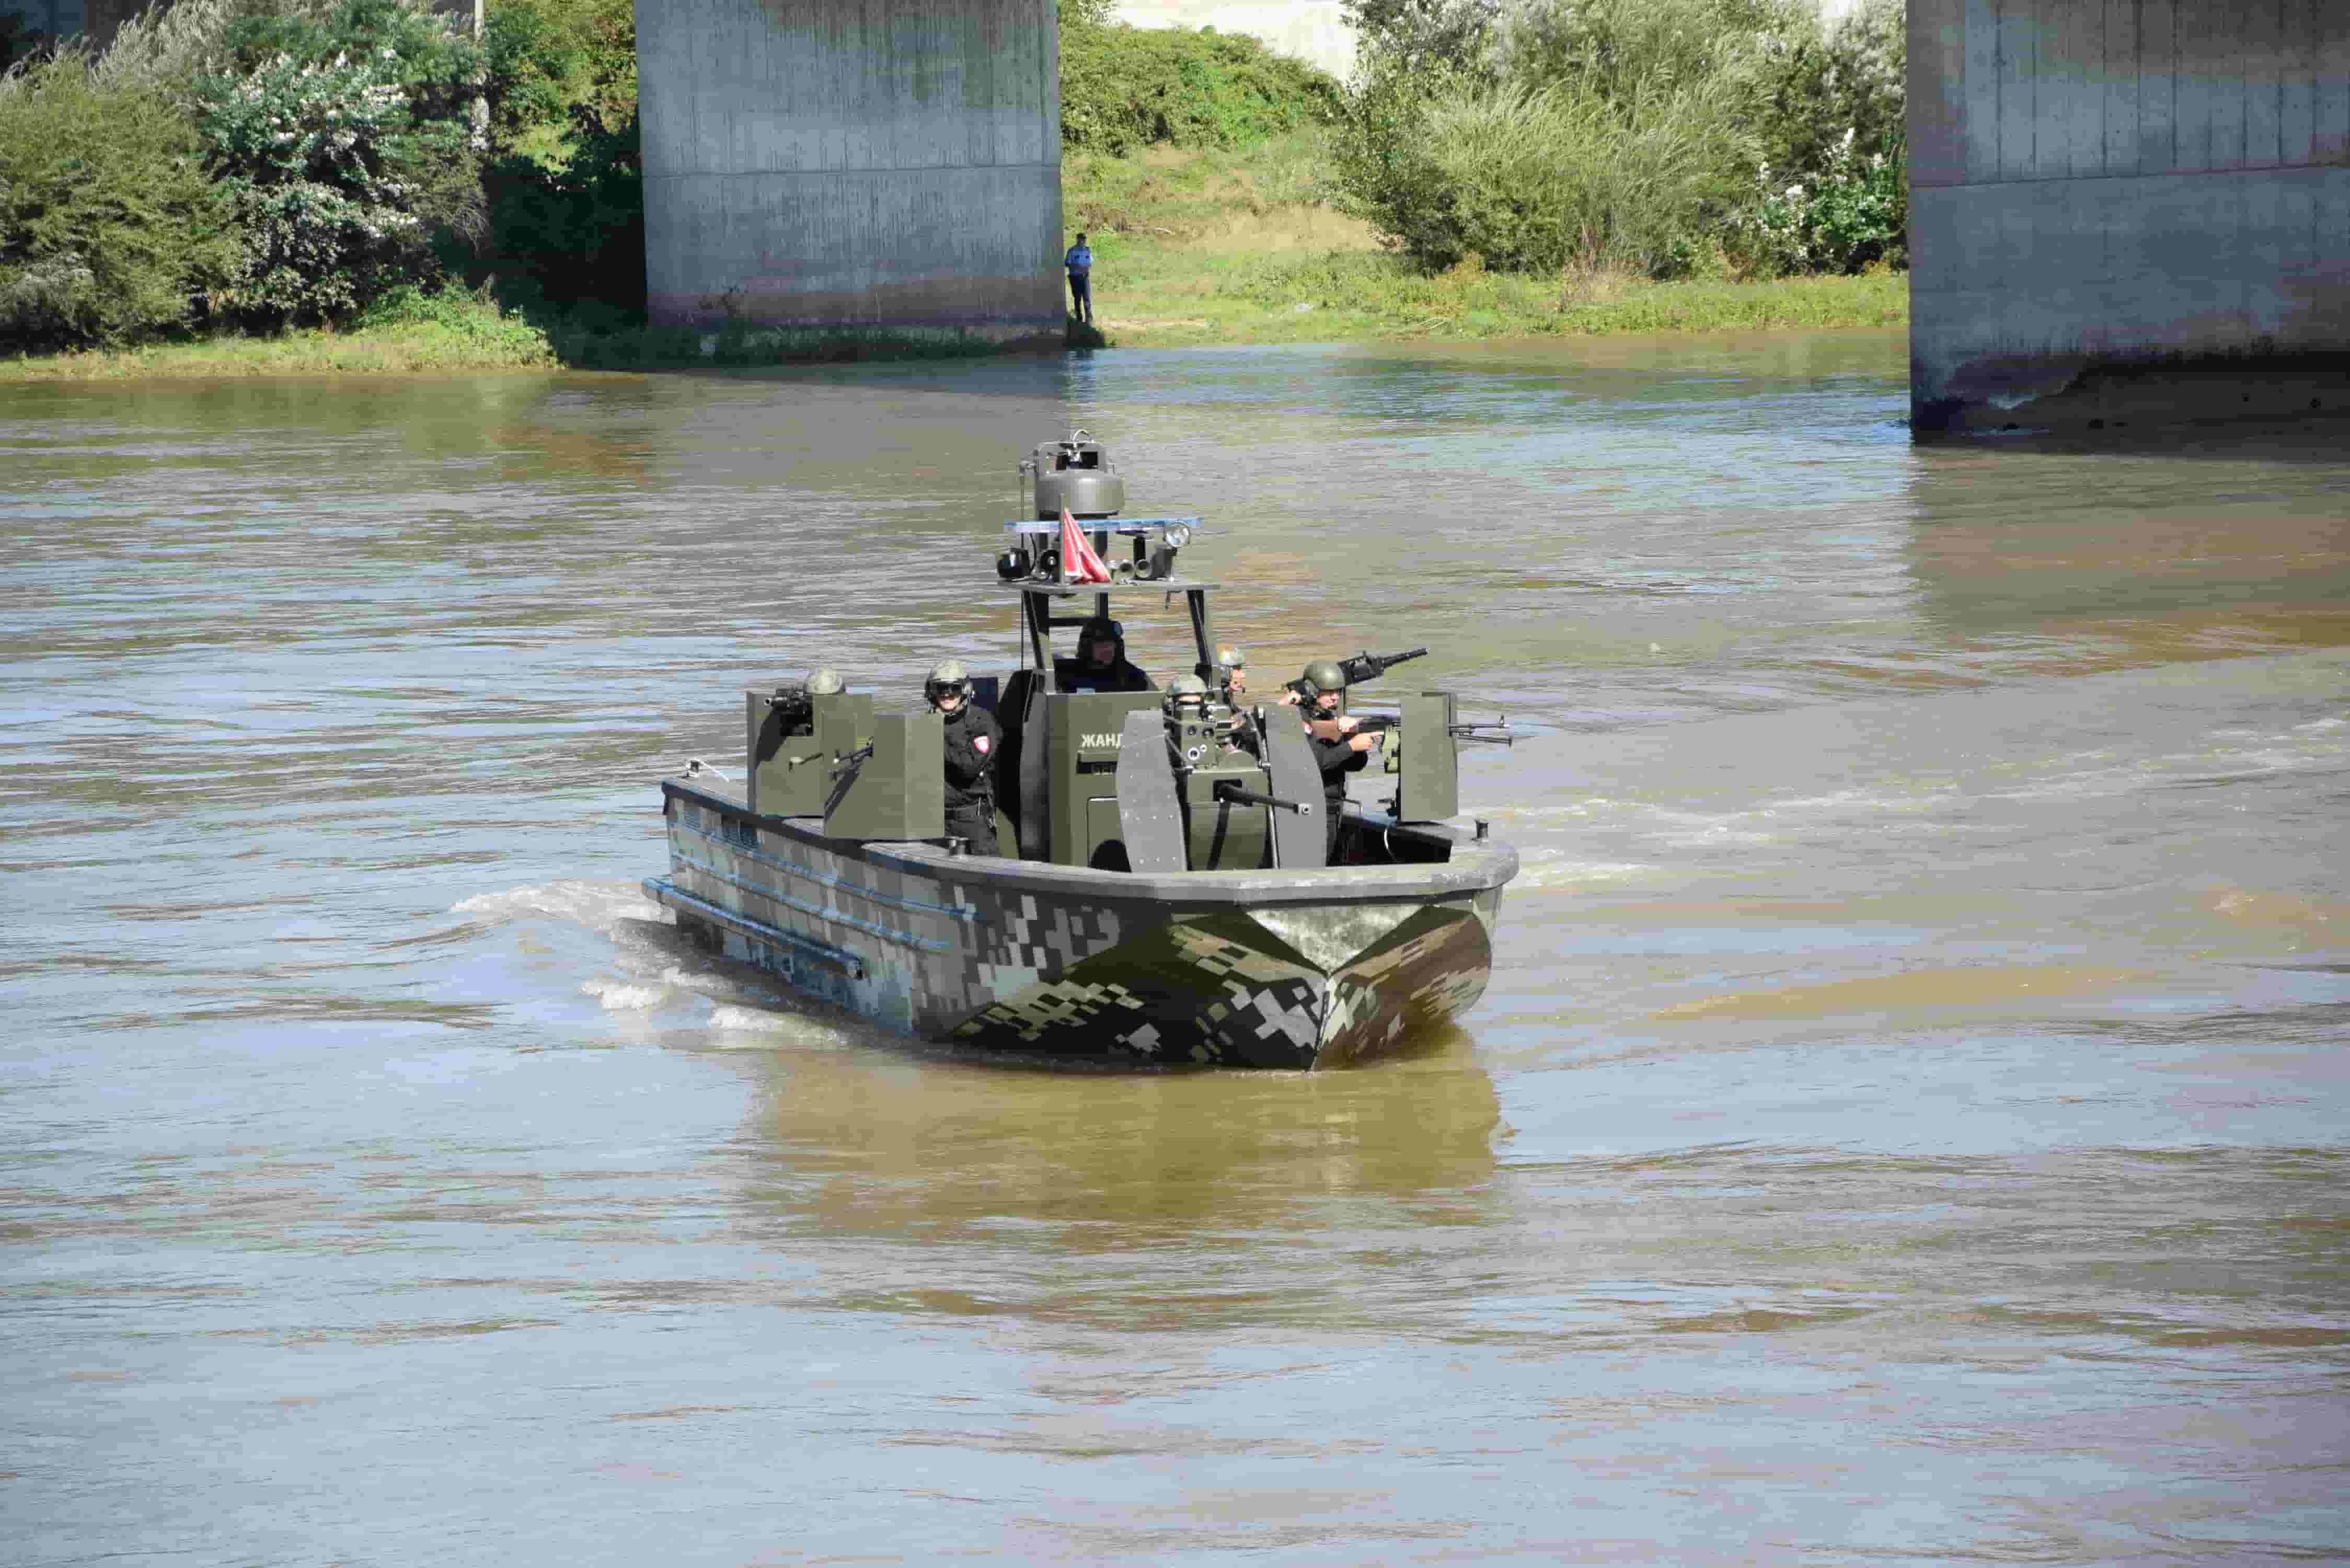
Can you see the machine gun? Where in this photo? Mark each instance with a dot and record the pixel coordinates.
(852, 761)
(1368, 666)
(1459, 729)
(794, 708)
(1364, 666)
(1231, 790)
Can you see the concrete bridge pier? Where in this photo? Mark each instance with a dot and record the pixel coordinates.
(2128, 212)
(852, 163)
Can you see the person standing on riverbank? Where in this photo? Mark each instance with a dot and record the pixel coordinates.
(1080, 262)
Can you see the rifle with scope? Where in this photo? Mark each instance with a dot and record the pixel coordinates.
(1364, 666)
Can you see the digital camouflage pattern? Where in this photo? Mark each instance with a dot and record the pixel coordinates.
(1238, 969)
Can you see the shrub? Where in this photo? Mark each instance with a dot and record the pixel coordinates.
(1816, 89)
(1851, 214)
(345, 142)
(1613, 134)
(1123, 87)
(472, 319)
(109, 229)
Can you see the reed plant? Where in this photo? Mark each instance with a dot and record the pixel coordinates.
(1560, 180)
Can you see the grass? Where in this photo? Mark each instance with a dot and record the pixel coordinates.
(1190, 249)
(1194, 248)
(406, 349)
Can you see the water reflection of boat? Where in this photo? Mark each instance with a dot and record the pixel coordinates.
(1169, 901)
(929, 1147)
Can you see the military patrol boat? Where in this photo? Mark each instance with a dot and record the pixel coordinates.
(1164, 895)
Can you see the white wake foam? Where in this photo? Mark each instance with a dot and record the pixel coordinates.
(597, 906)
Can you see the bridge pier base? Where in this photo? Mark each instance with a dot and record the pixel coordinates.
(2128, 214)
(882, 165)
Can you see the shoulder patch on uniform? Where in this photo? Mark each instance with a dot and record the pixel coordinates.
(982, 743)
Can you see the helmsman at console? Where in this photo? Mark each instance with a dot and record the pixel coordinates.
(1101, 664)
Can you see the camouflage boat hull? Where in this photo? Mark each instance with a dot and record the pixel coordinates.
(1254, 968)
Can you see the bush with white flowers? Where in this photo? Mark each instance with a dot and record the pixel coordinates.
(340, 141)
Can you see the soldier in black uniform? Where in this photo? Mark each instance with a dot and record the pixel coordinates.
(972, 739)
(1338, 749)
(1101, 664)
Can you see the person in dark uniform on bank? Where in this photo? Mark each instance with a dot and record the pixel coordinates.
(1101, 664)
(1338, 748)
(972, 741)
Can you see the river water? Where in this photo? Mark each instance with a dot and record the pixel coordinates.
(1907, 1123)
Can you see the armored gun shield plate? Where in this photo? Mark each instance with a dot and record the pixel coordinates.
(1150, 814)
(1428, 788)
(1300, 840)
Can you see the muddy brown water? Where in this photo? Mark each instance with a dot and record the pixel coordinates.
(1906, 1124)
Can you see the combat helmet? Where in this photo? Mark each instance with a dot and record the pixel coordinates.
(949, 677)
(1186, 691)
(1322, 676)
(825, 683)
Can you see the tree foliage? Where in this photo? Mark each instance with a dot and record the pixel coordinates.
(555, 65)
(571, 234)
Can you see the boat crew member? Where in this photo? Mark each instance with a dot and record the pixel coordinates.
(1187, 697)
(1339, 749)
(821, 682)
(1232, 676)
(1101, 664)
(972, 741)
(1232, 689)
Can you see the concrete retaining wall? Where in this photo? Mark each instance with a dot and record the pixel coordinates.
(2129, 211)
(884, 164)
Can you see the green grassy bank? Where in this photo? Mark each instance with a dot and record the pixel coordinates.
(1190, 249)
(1194, 248)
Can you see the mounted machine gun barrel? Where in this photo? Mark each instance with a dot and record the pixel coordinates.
(1240, 795)
(1364, 666)
(1368, 666)
(852, 761)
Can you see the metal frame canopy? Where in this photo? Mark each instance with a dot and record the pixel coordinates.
(1038, 594)
(1128, 525)
(1038, 600)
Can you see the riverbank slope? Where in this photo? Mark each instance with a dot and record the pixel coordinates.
(1190, 249)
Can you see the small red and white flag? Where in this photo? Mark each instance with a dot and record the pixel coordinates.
(1079, 562)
